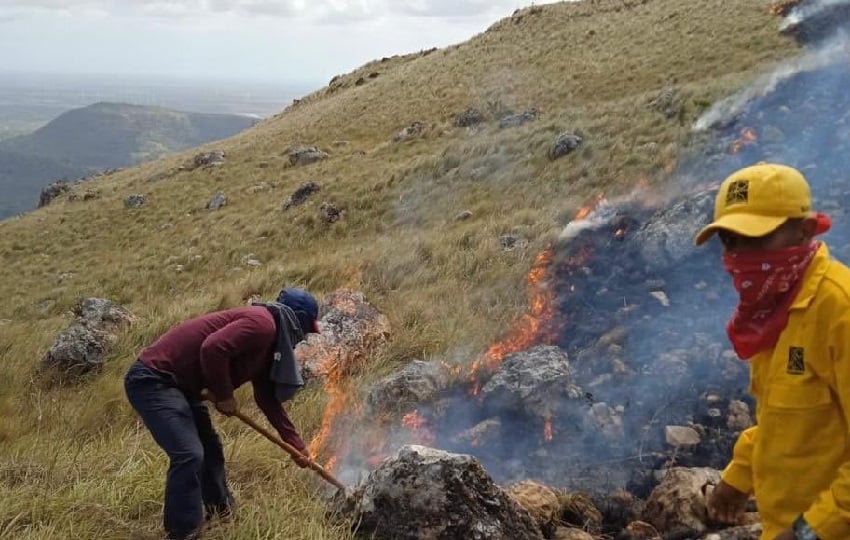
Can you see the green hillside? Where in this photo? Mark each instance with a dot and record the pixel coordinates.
(74, 462)
(102, 136)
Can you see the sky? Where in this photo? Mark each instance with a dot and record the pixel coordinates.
(297, 41)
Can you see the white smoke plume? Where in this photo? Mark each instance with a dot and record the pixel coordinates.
(835, 50)
(800, 13)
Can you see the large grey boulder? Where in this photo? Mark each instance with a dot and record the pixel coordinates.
(537, 381)
(677, 504)
(300, 195)
(306, 155)
(51, 191)
(218, 201)
(564, 144)
(83, 346)
(668, 236)
(427, 494)
(416, 383)
(351, 330)
(209, 159)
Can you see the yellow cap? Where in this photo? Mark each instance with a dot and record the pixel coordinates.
(756, 200)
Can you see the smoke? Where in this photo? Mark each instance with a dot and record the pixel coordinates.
(640, 311)
(803, 12)
(835, 51)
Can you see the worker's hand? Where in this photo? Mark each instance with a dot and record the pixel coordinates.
(787, 534)
(301, 461)
(226, 407)
(725, 503)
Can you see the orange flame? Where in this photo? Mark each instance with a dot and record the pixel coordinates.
(748, 136)
(338, 402)
(535, 327)
(419, 427)
(547, 428)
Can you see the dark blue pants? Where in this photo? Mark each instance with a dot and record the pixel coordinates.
(182, 427)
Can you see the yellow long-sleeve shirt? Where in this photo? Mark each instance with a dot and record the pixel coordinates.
(796, 460)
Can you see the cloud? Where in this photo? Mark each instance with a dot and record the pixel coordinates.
(337, 10)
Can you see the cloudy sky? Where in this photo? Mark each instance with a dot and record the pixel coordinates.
(277, 40)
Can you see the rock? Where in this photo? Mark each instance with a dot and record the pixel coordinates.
(306, 155)
(677, 505)
(739, 417)
(417, 382)
(607, 420)
(64, 276)
(667, 237)
(481, 434)
(78, 350)
(103, 314)
(463, 216)
(219, 200)
(300, 195)
(135, 200)
(518, 119)
(86, 195)
(82, 347)
(468, 118)
(262, 187)
(537, 381)
(661, 296)
(666, 102)
(540, 501)
(51, 191)
(639, 530)
(426, 494)
(564, 144)
(351, 329)
(681, 436)
(250, 260)
(209, 159)
(410, 132)
(329, 212)
(510, 242)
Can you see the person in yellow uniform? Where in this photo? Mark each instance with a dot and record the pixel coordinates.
(792, 324)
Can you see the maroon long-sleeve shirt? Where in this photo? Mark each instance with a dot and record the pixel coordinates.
(221, 351)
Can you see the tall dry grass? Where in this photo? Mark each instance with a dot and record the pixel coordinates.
(74, 462)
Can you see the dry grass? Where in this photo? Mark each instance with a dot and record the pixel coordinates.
(73, 461)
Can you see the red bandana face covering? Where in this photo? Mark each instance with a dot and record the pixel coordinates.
(767, 282)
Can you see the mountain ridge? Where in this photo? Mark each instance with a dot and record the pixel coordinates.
(98, 137)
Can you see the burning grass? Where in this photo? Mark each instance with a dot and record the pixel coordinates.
(77, 466)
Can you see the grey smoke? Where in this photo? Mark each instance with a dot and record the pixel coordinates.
(834, 51)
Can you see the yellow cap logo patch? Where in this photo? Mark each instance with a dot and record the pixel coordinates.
(738, 193)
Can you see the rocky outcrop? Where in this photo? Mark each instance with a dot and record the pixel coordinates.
(83, 346)
(426, 494)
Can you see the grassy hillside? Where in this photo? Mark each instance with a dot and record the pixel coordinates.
(98, 137)
(74, 462)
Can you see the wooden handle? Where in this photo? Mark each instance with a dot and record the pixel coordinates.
(288, 448)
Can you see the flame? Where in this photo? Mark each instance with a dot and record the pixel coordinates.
(531, 329)
(782, 7)
(547, 428)
(538, 325)
(331, 373)
(748, 136)
(418, 425)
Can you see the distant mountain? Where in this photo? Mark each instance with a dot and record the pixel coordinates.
(101, 136)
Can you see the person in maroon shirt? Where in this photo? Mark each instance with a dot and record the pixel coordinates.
(218, 352)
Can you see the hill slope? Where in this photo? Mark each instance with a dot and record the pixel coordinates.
(98, 137)
(74, 461)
